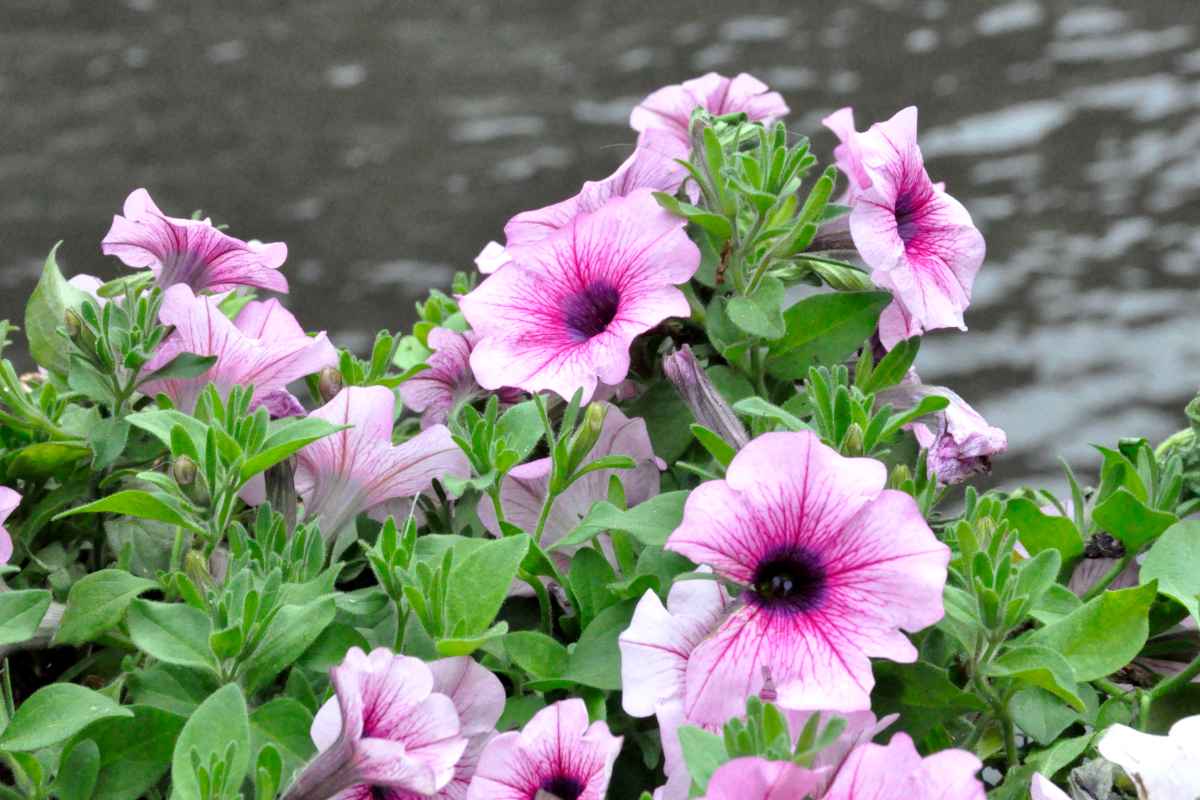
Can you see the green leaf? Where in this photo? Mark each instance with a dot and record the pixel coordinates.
(522, 428)
(160, 422)
(479, 582)
(542, 656)
(285, 438)
(1060, 754)
(97, 602)
(219, 722)
(892, 368)
(466, 645)
(759, 314)
(136, 503)
(39, 462)
(1040, 667)
(1103, 635)
(757, 407)
(77, 773)
(1130, 520)
(1036, 575)
(703, 752)
(824, 329)
(172, 688)
(20, 614)
(134, 751)
(650, 522)
(922, 694)
(1174, 561)
(1041, 715)
(589, 577)
(331, 647)
(45, 314)
(667, 419)
(721, 451)
(182, 366)
(595, 659)
(1039, 531)
(292, 631)
(1057, 602)
(172, 632)
(54, 714)
(283, 723)
(107, 439)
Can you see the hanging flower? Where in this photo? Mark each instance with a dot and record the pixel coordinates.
(557, 752)
(919, 241)
(345, 474)
(832, 566)
(9, 500)
(1162, 767)
(265, 347)
(564, 314)
(670, 108)
(448, 382)
(191, 251)
(387, 727)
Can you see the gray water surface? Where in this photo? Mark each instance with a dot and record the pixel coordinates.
(385, 142)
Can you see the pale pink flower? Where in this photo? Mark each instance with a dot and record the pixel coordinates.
(1042, 789)
(1162, 767)
(9, 500)
(265, 347)
(388, 727)
(191, 251)
(448, 382)
(754, 778)
(564, 314)
(670, 108)
(556, 752)
(919, 241)
(833, 568)
(89, 285)
(345, 474)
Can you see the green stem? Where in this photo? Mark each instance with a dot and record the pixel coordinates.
(699, 314)
(1108, 687)
(1144, 704)
(1175, 682)
(1108, 577)
(544, 515)
(543, 598)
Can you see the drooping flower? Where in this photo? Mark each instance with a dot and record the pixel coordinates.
(9, 500)
(960, 442)
(707, 405)
(1042, 789)
(387, 727)
(670, 108)
(190, 251)
(342, 475)
(448, 382)
(832, 566)
(1162, 767)
(563, 315)
(265, 347)
(557, 752)
(919, 241)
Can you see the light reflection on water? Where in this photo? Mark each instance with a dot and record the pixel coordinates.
(386, 141)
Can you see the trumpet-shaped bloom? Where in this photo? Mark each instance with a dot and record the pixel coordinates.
(557, 752)
(919, 241)
(265, 347)
(670, 108)
(448, 382)
(563, 315)
(387, 727)
(191, 251)
(342, 475)
(9, 500)
(1162, 767)
(833, 568)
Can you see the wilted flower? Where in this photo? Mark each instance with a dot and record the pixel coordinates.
(448, 382)
(9, 500)
(191, 251)
(342, 475)
(1162, 767)
(833, 568)
(563, 315)
(919, 241)
(557, 752)
(387, 728)
(670, 108)
(265, 347)
(700, 395)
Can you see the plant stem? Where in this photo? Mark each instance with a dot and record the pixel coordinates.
(1164, 688)
(544, 515)
(1108, 686)
(1108, 577)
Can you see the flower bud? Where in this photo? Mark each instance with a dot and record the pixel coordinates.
(184, 471)
(329, 383)
(702, 398)
(900, 475)
(586, 435)
(852, 442)
(73, 323)
(195, 566)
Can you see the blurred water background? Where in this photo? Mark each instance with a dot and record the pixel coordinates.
(386, 141)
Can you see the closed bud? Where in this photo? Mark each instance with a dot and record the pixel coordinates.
(852, 442)
(586, 435)
(900, 475)
(184, 471)
(195, 566)
(73, 323)
(329, 383)
(701, 397)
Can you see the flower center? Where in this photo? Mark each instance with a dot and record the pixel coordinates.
(560, 787)
(793, 580)
(589, 312)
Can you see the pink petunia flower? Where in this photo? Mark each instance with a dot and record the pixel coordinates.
(670, 108)
(191, 251)
(342, 475)
(564, 314)
(919, 241)
(1160, 766)
(479, 697)
(832, 566)
(448, 382)
(556, 752)
(1042, 789)
(265, 347)
(9, 500)
(388, 727)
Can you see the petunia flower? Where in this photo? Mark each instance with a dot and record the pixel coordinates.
(387, 727)
(959, 441)
(1042, 789)
(832, 568)
(564, 314)
(9, 500)
(707, 405)
(479, 698)
(670, 108)
(448, 382)
(557, 752)
(190, 251)
(342, 475)
(919, 241)
(265, 347)
(1162, 767)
